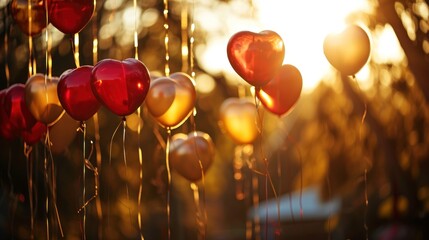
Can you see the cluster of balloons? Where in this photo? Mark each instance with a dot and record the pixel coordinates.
(121, 86)
(258, 59)
(68, 16)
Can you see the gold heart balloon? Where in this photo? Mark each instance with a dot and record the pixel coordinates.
(170, 100)
(187, 151)
(62, 133)
(238, 118)
(42, 100)
(349, 50)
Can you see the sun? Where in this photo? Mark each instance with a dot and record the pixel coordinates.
(303, 26)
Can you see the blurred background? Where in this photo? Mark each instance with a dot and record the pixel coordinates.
(318, 154)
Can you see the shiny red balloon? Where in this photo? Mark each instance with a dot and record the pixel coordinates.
(256, 57)
(7, 131)
(75, 93)
(16, 109)
(282, 92)
(34, 134)
(21, 14)
(121, 86)
(70, 16)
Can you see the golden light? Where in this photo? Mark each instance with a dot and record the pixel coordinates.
(303, 26)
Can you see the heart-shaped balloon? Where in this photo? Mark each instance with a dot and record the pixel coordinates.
(7, 131)
(256, 57)
(347, 51)
(238, 118)
(282, 92)
(187, 151)
(62, 133)
(70, 16)
(34, 134)
(75, 93)
(121, 86)
(20, 14)
(171, 99)
(16, 109)
(42, 99)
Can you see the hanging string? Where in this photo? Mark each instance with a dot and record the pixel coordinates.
(202, 223)
(166, 39)
(27, 152)
(140, 154)
(255, 199)
(362, 122)
(75, 47)
(30, 39)
(136, 40)
(124, 124)
(184, 34)
(6, 46)
(260, 123)
(192, 41)
(83, 128)
(167, 166)
(91, 167)
(52, 182)
(45, 168)
(95, 120)
(110, 165)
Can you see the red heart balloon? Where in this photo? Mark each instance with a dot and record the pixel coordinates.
(187, 151)
(70, 16)
(75, 93)
(16, 108)
(348, 51)
(20, 13)
(282, 92)
(7, 131)
(256, 57)
(121, 86)
(34, 134)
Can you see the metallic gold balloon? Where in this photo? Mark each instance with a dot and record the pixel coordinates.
(187, 151)
(349, 50)
(170, 100)
(62, 133)
(238, 118)
(21, 15)
(42, 99)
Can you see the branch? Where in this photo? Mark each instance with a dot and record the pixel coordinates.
(417, 60)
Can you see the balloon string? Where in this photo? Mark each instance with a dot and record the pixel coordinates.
(110, 165)
(94, 36)
(192, 41)
(45, 155)
(199, 212)
(184, 35)
(167, 166)
(52, 186)
(136, 40)
(6, 47)
(27, 152)
(98, 159)
(259, 124)
(203, 223)
(362, 122)
(139, 216)
(255, 199)
(124, 124)
(75, 47)
(91, 167)
(166, 38)
(83, 127)
(238, 172)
